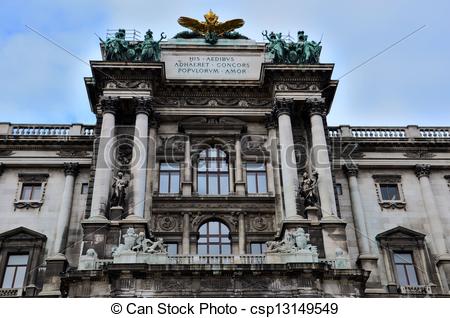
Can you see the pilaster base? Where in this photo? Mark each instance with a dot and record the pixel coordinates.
(52, 282)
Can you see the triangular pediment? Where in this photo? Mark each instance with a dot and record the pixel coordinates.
(400, 232)
(22, 233)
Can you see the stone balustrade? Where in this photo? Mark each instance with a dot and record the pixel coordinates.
(416, 290)
(46, 130)
(388, 132)
(10, 292)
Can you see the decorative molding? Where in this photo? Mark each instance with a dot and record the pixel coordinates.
(316, 106)
(259, 223)
(143, 105)
(117, 84)
(33, 177)
(38, 178)
(71, 168)
(109, 104)
(6, 152)
(173, 144)
(282, 106)
(390, 179)
(386, 178)
(351, 170)
(420, 154)
(422, 170)
(69, 153)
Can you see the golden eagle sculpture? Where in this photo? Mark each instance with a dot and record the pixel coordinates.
(211, 28)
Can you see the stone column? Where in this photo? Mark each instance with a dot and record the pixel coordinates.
(439, 247)
(240, 183)
(358, 209)
(289, 175)
(187, 182)
(152, 165)
(186, 231)
(321, 161)
(423, 173)
(139, 160)
(71, 170)
(103, 168)
(241, 233)
(272, 145)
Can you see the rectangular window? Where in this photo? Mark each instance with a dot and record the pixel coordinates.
(172, 248)
(84, 188)
(169, 178)
(258, 248)
(404, 267)
(389, 191)
(15, 271)
(256, 178)
(339, 189)
(31, 192)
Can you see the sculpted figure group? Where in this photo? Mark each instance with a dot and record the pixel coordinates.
(288, 52)
(117, 48)
(133, 242)
(293, 242)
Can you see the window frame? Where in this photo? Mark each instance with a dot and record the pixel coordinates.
(7, 265)
(218, 172)
(404, 267)
(30, 179)
(389, 180)
(211, 239)
(169, 173)
(262, 249)
(256, 173)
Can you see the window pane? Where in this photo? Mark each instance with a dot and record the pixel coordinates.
(402, 258)
(251, 182)
(256, 166)
(212, 152)
(262, 183)
(169, 166)
(20, 277)
(212, 165)
(202, 249)
(221, 153)
(224, 186)
(175, 183)
(8, 277)
(84, 188)
(203, 229)
(255, 248)
(213, 227)
(401, 274)
(214, 250)
(389, 192)
(26, 192)
(214, 239)
(201, 165)
(164, 183)
(223, 165)
(36, 194)
(213, 186)
(202, 184)
(172, 248)
(224, 229)
(226, 249)
(18, 260)
(411, 271)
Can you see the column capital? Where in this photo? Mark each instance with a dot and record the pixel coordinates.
(282, 106)
(316, 106)
(422, 170)
(351, 170)
(71, 168)
(109, 104)
(143, 105)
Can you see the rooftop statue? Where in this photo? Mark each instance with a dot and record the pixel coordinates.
(211, 29)
(117, 48)
(289, 52)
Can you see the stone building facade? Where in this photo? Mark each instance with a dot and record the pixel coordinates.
(189, 184)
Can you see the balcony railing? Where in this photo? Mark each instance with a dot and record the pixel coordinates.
(217, 259)
(416, 290)
(389, 132)
(10, 292)
(46, 130)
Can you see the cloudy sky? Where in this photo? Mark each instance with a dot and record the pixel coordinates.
(407, 84)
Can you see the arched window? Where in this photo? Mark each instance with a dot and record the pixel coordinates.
(213, 172)
(213, 239)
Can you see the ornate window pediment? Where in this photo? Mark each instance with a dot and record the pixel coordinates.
(30, 190)
(389, 191)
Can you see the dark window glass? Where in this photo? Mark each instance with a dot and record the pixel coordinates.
(339, 189)
(256, 178)
(214, 239)
(213, 172)
(169, 178)
(389, 192)
(84, 188)
(172, 248)
(31, 192)
(404, 266)
(258, 248)
(15, 271)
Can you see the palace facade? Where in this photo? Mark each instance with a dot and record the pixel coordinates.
(194, 182)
